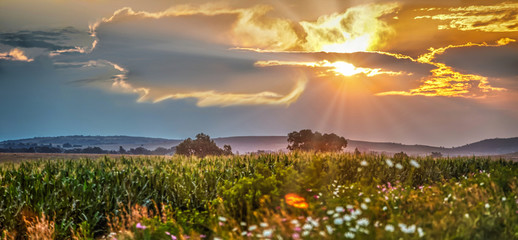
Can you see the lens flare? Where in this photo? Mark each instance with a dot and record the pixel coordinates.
(295, 200)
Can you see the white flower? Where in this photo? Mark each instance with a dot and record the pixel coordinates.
(389, 162)
(217, 238)
(294, 222)
(349, 206)
(339, 209)
(487, 205)
(222, 219)
(329, 229)
(347, 218)
(243, 224)
(244, 233)
(263, 224)
(364, 206)
(384, 208)
(252, 228)
(420, 232)
(349, 235)
(399, 166)
(389, 228)
(338, 221)
(503, 199)
(364, 163)
(466, 215)
(330, 212)
(405, 229)
(305, 233)
(414, 163)
(267, 233)
(307, 226)
(363, 222)
(356, 212)
(367, 200)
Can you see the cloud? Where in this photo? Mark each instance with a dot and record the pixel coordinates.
(502, 17)
(15, 54)
(445, 81)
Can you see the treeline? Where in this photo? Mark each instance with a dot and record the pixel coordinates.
(90, 150)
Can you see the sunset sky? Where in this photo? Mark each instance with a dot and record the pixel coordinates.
(441, 73)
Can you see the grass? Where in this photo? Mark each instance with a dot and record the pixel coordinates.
(338, 196)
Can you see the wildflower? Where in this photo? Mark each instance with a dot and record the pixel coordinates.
(243, 224)
(367, 200)
(364, 206)
(244, 233)
(338, 221)
(466, 215)
(267, 233)
(222, 219)
(294, 222)
(487, 206)
(221, 223)
(252, 228)
(307, 226)
(399, 166)
(389, 228)
(330, 212)
(349, 235)
(414, 163)
(295, 236)
(217, 238)
(364, 163)
(322, 233)
(168, 233)
(234, 229)
(339, 209)
(389, 162)
(420, 232)
(186, 236)
(140, 226)
(363, 222)
(203, 236)
(297, 229)
(347, 218)
(407, 229)
(305, 233)
(504, 199)
(329, 229)
(315, 196)
(263, 224)
(173, 237)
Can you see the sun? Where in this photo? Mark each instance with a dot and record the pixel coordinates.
(344, 68)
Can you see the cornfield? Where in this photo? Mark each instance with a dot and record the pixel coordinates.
(236, 197)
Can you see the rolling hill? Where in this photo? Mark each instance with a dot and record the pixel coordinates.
(246, 144)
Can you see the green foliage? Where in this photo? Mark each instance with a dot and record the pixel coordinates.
(306, 140)
(201, 147)
(452, 198)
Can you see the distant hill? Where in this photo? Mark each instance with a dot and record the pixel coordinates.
(246, 144)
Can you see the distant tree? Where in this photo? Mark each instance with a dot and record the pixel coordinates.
(161, 151)
(306, 140)
(122, 150)
(436, 155)
(201, 147)
(227, 150)
(401, 155)
(357, 152)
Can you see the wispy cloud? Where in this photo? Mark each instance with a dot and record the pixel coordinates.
(502, 17)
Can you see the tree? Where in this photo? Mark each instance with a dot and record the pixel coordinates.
(436, 155)
(401, 155)
(357, 152)
(201, 147)
(122, 150)
(306, 140)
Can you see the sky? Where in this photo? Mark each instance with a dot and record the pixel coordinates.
(442, 73)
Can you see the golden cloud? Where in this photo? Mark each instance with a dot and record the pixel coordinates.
(15, 55)
(501, 17)
(445, 81)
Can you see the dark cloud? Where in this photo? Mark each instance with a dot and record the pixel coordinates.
(51, 40)
(496, 62)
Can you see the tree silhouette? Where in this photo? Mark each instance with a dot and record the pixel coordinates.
(306, 140)
(201, 147)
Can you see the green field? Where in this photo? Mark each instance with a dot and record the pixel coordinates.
(341, 196)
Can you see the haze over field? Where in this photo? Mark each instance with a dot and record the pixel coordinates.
(440, 73)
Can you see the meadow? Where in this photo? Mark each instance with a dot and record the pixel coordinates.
(271, 196)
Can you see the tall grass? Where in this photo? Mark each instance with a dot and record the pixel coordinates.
(83, 196)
